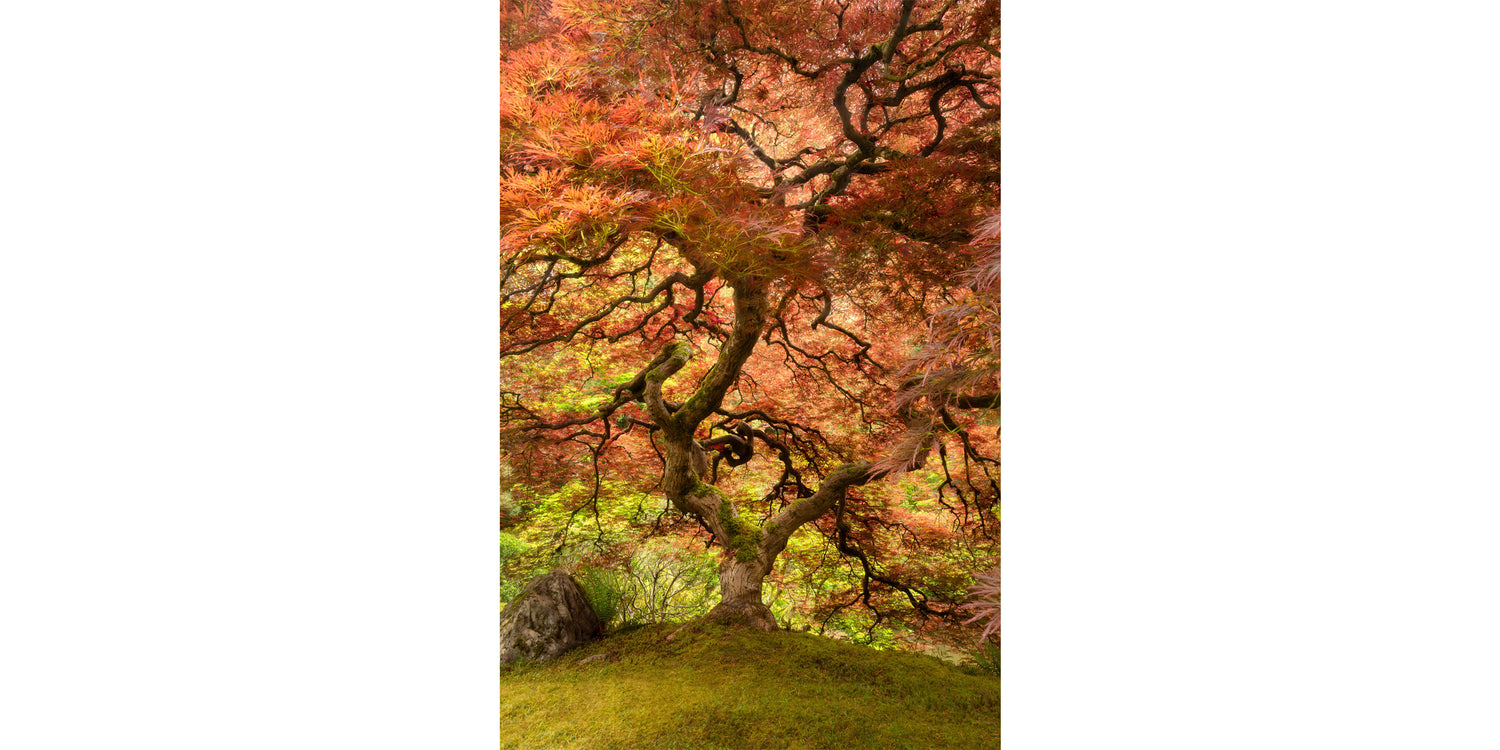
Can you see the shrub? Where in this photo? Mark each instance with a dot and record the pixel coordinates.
(511, 546)
(988, 658)
(603, 588)
(663, 585)
(509, 589)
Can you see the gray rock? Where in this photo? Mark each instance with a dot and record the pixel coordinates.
(550, 616)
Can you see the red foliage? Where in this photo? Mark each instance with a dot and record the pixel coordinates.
(987, 606)
(805, 193)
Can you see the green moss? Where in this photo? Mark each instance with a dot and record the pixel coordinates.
(715, 687)
(681, 351)
(695, 401)
(744, 534)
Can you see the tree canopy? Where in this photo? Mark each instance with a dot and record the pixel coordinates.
(750, 295)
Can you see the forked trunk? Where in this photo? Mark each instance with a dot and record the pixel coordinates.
(750, 549)
(739, 591)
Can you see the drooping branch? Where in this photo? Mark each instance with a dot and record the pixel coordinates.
(779, 529)
(976, 401)
(662, 290)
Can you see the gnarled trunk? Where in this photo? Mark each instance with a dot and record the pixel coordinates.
(740, 595)
(750, 548)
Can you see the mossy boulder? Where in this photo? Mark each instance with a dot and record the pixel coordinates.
(549, 617)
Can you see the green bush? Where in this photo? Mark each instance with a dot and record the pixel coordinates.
(988, 658)
(603, 589)
(509, 589)
(661, 584)
(511, 546)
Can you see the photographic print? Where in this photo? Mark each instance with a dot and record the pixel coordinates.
(750, 374)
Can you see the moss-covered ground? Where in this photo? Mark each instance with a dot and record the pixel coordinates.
(717, 688)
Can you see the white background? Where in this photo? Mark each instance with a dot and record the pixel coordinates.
(247, 375)
(249, 313)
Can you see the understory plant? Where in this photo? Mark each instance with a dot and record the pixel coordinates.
(510, 547)
(987, 606)
(988, 658)
(663, 585)
(604, 589)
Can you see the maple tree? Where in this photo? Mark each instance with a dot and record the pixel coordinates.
(750, 264)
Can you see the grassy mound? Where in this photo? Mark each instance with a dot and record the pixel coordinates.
(712, 688)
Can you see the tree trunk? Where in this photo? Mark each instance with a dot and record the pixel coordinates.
(751, 548)
(739, 591)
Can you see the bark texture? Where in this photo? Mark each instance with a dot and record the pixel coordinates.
(740, 595)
